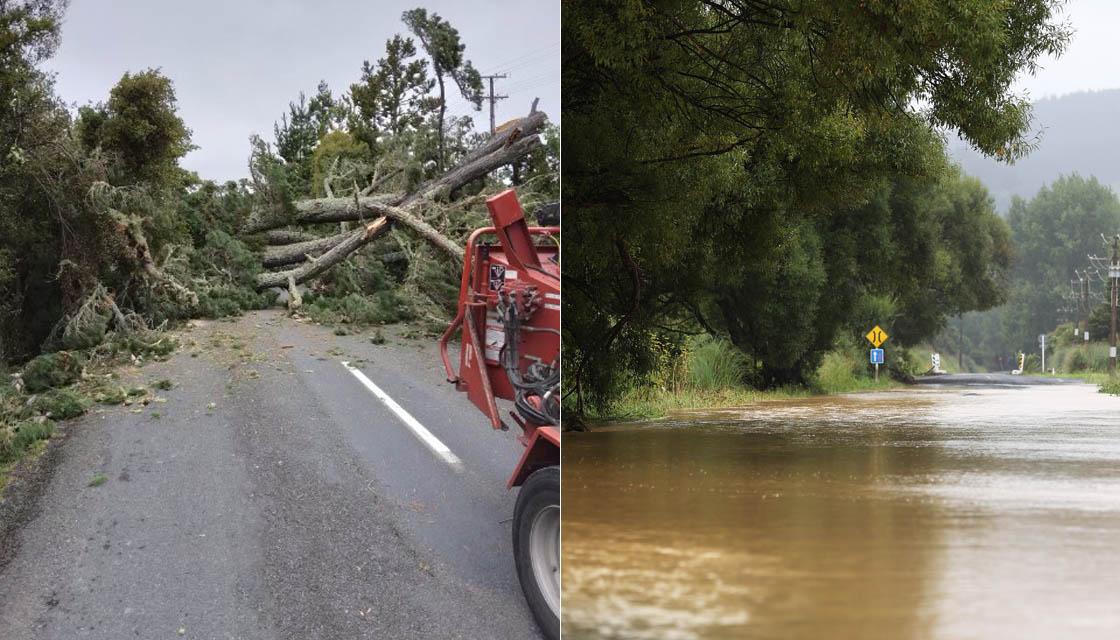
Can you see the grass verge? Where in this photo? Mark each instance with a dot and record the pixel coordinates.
(1110, 385)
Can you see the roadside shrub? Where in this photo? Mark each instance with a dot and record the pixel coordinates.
(59, 404)
(148, 343)
(89, 334)
(15, 439)
(109, 394)
(838, 370)
(224, 301)
(383, 307)
(52, 370)
(714, 363)
(1075, 361)
(1111, 386)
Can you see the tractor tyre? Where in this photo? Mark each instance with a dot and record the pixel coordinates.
(536, 547)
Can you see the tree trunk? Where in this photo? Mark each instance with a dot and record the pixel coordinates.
(339, 253)
(426, 230)
(283, 236)
(298, 252)
(441, 187)
(513, 142)
(316, 210)
(525, 127)
(442, 111)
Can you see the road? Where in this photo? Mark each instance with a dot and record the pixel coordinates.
(951, 511)
(991, 380)
(271, 494)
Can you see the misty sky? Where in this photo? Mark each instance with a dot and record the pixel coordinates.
(237, 63)
(1091, 61)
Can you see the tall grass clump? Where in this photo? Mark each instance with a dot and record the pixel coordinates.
(1080, 359)
(839, 371)
(1111, 386)
(715, 364)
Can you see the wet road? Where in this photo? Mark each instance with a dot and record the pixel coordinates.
(942, 512)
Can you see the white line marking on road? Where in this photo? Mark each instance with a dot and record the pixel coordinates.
(418, 429)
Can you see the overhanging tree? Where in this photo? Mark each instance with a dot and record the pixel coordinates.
(698, 131)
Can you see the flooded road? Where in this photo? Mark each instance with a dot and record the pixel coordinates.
(934, 513)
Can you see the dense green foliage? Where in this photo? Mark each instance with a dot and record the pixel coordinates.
(52, 370)
(138, 128)
(763, 171)
(394, 95)
(1052, 235)
(1054, 232)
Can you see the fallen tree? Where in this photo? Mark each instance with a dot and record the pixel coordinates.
(316, 267)
(286, 236)
(512, 143)
(299, 251)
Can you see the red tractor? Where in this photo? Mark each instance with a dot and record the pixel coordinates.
(509, 312)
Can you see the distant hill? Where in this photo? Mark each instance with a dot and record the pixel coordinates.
(1080, 133)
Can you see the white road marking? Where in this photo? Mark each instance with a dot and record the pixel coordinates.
(418, 429)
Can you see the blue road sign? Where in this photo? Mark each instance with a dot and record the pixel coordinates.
(877, 356)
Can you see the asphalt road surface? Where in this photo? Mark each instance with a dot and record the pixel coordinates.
(991, 380)
(271, 494)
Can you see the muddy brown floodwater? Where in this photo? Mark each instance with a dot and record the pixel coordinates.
(945, 513)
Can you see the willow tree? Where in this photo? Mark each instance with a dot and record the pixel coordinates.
(704, 140)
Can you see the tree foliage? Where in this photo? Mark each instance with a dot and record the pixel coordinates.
(98, 224)
(720, 155)
(393, 95)
(139, 128)
(1053, 233)
(445, 50)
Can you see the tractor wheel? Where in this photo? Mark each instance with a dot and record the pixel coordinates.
(536, 547)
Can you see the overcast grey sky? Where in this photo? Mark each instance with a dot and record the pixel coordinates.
(237, 63)
(1091, 61)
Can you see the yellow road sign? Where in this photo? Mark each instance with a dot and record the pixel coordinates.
(877, 336)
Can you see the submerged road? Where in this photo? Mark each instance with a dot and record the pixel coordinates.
(964, 510)
(272, 494)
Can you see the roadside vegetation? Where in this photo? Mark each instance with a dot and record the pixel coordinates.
(106, 242)
(711, 373)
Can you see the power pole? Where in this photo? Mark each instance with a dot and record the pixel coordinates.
(1086, 305)
(1114, 276)
(493, 98)
(960, 342)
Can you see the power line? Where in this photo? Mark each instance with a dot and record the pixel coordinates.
(552, 75)
(520, 60)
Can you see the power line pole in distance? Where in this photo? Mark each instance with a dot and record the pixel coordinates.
(1114, 276)
(493, 98)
